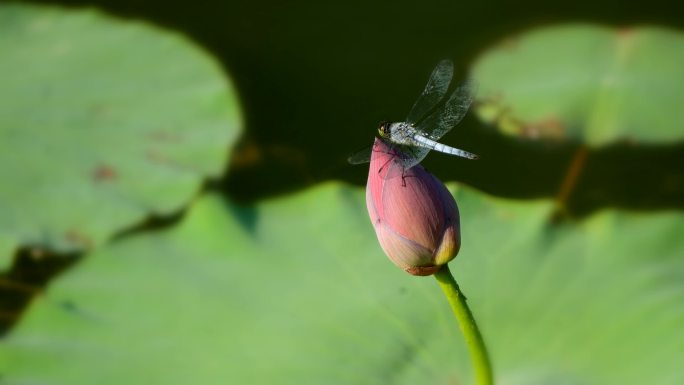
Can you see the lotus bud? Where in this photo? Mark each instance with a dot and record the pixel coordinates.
(415, 217)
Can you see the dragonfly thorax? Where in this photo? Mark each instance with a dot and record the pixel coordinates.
(401, 133)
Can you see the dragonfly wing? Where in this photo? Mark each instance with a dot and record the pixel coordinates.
(404, 157)
(407, 156)
(414, 155)
(434, 91)
(361, 156)
(443, 120)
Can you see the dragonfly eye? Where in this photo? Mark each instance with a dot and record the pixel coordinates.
(384, 129)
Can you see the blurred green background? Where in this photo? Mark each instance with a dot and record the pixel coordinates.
(176, 206)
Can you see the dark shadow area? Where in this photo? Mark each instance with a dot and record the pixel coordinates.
(28, 277)
(631, 176)
(247, 215)
(315, 79)
(153, 223)
(624, 175)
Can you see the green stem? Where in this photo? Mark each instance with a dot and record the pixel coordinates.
(478, 351)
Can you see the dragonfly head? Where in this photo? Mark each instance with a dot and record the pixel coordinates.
(384, 129)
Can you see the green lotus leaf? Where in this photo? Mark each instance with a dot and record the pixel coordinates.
(587, 83)
(102, 123)
(296, 291)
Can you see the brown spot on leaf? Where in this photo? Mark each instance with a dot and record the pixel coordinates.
(156, 156)
(104, 173)
(164, 136)
(100, 110)
(551, 128)
(78, 238)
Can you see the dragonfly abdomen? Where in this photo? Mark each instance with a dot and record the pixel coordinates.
(429, 143)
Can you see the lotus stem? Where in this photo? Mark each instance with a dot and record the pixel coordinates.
(478, 351)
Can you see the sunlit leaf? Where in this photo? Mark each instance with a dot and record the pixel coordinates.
(102, 123)
(588, 83)
(297, 291)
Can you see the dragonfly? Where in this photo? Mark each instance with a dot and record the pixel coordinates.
(430, 118)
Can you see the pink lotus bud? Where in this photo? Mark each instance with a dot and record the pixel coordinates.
(414, 215)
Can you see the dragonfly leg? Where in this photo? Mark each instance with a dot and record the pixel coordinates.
(391, 151)
(383, 166)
